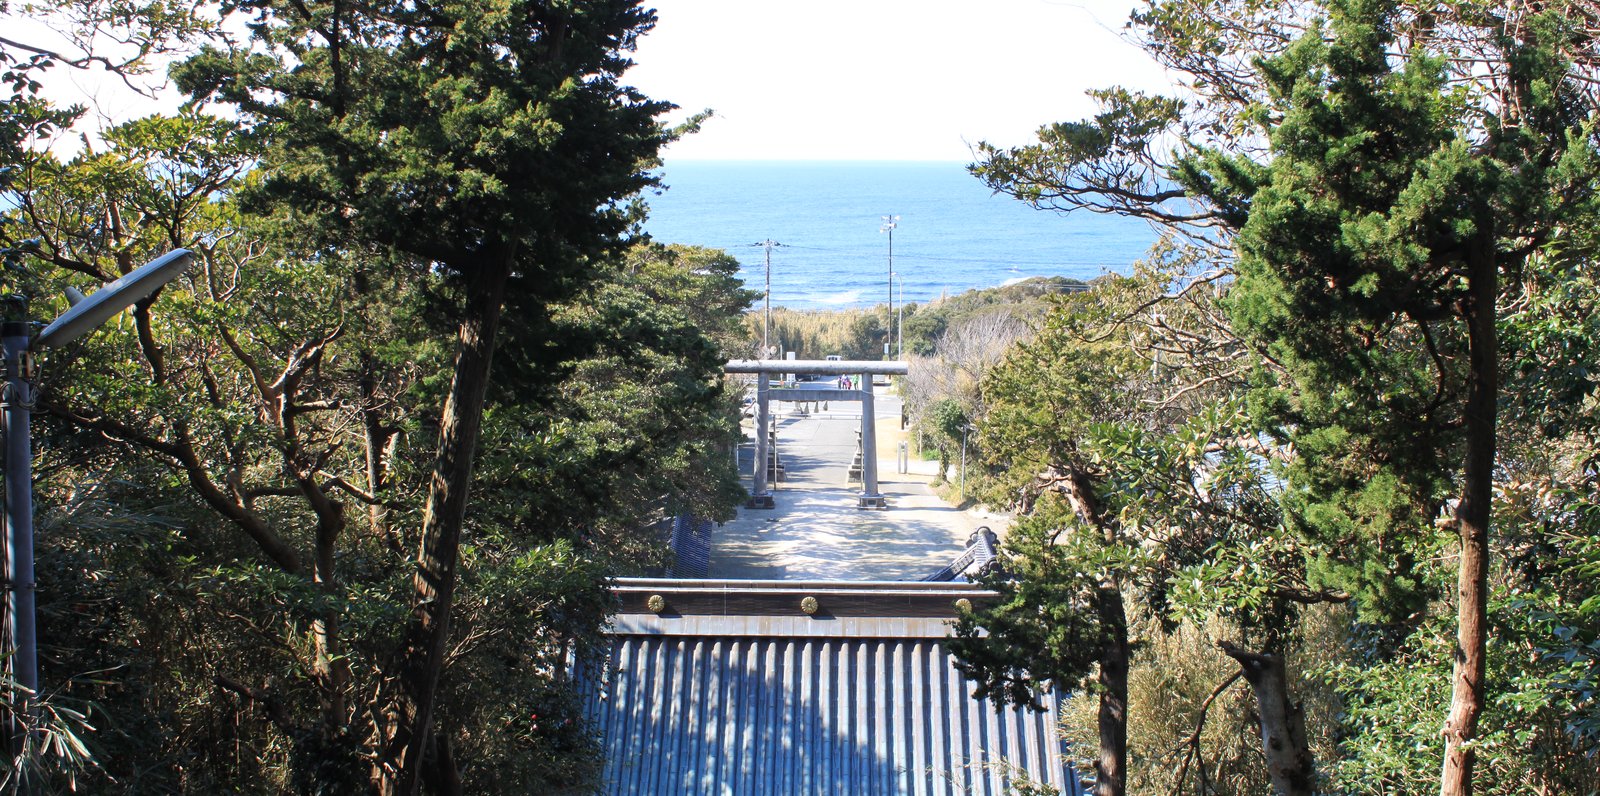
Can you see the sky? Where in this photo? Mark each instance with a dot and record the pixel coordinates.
(833, 79)
(882, 79)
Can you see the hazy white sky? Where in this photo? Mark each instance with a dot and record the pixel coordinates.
(840, 79)
(882, 79)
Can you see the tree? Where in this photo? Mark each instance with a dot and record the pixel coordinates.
(1063, 615)
(245, 415)
(230, 429)
(941, 391)
(1143, 493)
(1383, 230)
(289, 377)
(1377, 217)
(946, 423)
(493, 143)
(642, 423)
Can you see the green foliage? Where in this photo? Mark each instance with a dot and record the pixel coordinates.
(1395, 700)
(642, 423)
(1043, 629)
(1047, 393)
(1352, 263)
(1334, 252)
(1027, 300)
(531, 609)
(25, 117)
(489, 151)
(944, 428)
(1173, 505)
(456, 133)
(1551, 337)
(1107, 162)
(230, 478)
(1357, 168)
(851, 334)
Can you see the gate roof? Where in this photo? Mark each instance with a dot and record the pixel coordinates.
(745, 687)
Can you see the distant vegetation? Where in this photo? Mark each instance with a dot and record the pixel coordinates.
(861, 333)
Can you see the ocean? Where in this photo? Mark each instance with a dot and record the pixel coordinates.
(953, 234)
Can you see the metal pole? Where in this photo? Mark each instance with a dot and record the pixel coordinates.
(766, 324)
(16, 401)
(900, 323)
(889, 223)
(891, 282)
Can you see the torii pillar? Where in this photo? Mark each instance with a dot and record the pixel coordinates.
(870, 498)
(760, 497)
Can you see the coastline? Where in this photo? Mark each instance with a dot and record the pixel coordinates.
(953, 234)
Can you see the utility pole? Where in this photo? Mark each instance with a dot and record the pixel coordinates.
(889, 223)
(900, 319)
(766, 324)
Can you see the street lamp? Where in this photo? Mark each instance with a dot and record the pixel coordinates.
(16, 402)
(889, 223)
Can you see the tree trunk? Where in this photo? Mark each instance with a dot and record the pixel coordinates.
(1111, 771)
(1472, 523)
(376, 438)
(1283, 730)
(376, 435)
(422, 650)
(331, 667)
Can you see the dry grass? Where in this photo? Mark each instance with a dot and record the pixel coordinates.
(1171, 677)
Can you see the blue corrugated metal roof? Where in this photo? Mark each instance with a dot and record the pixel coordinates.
(740, 712)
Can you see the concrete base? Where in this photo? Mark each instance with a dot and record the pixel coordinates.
(760, 502)
(872, 502)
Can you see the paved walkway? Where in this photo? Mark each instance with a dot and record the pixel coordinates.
(817, 532)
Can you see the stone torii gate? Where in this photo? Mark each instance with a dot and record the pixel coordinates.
(760, 498)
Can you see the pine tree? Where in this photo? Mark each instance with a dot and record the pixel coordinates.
(1370, 263)
(490, 142)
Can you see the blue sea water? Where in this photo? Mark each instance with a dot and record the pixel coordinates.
(953, 235)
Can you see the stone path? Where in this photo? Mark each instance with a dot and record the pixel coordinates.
(816, 531)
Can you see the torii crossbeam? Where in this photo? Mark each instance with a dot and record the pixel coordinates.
(760, 498)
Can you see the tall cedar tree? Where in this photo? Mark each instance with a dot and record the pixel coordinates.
(1370, 263)
(1373, 242)
(491, 142)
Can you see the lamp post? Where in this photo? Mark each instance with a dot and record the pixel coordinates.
(17, 401)
(889, 223)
